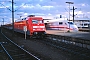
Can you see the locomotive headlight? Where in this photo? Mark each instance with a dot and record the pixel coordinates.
(33, 29)
(35, 32)
(43, 29)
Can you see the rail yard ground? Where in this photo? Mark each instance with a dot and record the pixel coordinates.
(78, 34)
(42, 50)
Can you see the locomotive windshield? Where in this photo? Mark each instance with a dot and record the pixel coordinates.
(37, 21)
(71, 23)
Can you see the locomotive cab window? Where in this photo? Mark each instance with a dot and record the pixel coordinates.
(70, 23)
(34, 21)
(60, 23)
(37, 21)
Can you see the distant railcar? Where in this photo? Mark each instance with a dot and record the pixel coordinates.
(60, 24)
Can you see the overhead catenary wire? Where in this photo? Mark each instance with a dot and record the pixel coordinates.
(12, 10)
(67, 11)
(6, 7)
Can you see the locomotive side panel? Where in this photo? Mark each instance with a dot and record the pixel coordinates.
(18, 26)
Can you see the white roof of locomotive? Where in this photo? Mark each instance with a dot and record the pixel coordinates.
(55, 20)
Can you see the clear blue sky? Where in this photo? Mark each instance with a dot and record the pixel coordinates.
(44, 7)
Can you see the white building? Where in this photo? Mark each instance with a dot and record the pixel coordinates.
(82, 22)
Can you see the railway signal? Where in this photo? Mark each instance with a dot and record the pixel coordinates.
(25, 30)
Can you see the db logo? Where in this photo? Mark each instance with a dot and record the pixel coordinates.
(38, 26)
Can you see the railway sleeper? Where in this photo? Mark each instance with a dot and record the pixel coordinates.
(23, 57)
(16, 53)
(13, 51)
(20, 58)
(20, 55)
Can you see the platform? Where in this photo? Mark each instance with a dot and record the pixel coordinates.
(79, 34)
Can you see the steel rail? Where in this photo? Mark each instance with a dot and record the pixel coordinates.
(20, 48)
(6, 52)
(67, 47)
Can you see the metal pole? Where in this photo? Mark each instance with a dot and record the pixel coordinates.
(12, 18)
(89, 25)
(69, 17)
(73, 13)
(25, 35)
(69, 14)
(3, 21)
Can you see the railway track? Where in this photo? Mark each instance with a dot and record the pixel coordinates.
(84, 29)
(12, 51)
(81, 52)
(68, 46)
(65, 44)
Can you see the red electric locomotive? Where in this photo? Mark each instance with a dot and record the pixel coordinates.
(34, 26)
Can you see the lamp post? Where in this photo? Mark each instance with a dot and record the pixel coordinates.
(12, 14)
(73, 12)
(13, 17)
(69, 13)
(3, 21)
